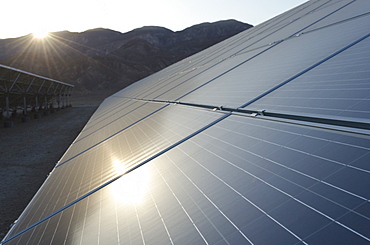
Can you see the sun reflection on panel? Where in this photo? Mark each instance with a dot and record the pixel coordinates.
(132, 187)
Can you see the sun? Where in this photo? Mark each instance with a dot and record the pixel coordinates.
(40, 34)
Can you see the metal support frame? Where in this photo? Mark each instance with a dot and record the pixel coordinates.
(15, 81)
(24, 89)
(37, 103)
(24, 105)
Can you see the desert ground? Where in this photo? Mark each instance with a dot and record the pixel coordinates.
(29, 151)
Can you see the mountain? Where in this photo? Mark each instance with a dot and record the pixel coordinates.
(106, 60)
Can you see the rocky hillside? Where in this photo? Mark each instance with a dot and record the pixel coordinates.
(105, 60)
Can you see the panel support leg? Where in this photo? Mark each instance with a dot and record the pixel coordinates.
(7, 107)
(37, 114)
(8, 123)
(25, 117)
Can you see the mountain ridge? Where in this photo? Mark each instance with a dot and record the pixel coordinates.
(106, 60)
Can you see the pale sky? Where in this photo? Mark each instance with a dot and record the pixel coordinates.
(21, 17)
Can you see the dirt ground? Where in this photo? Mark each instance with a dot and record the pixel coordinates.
(29, 151)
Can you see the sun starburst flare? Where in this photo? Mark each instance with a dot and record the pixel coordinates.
(40, 34)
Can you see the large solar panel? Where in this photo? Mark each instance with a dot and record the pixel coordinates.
(263, 138)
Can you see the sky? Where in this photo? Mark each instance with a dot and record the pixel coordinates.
(22, 17)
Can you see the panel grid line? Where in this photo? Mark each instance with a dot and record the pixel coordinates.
(219, 210)
(183, 208)
(306, 153)
(294, 198)
(189, 196)
(161, 217)
(364, 200)
(349, 211)
(294, 170)
(241, 195)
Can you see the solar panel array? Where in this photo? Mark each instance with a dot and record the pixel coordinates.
(261, 139)
(21, 89)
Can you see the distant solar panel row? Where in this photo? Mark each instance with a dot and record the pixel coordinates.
(234, 145)
(21, 89)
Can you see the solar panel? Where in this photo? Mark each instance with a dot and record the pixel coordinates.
(260, 139)
(22, 90)
(338, 87)
(222, 188)
(273, 66)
